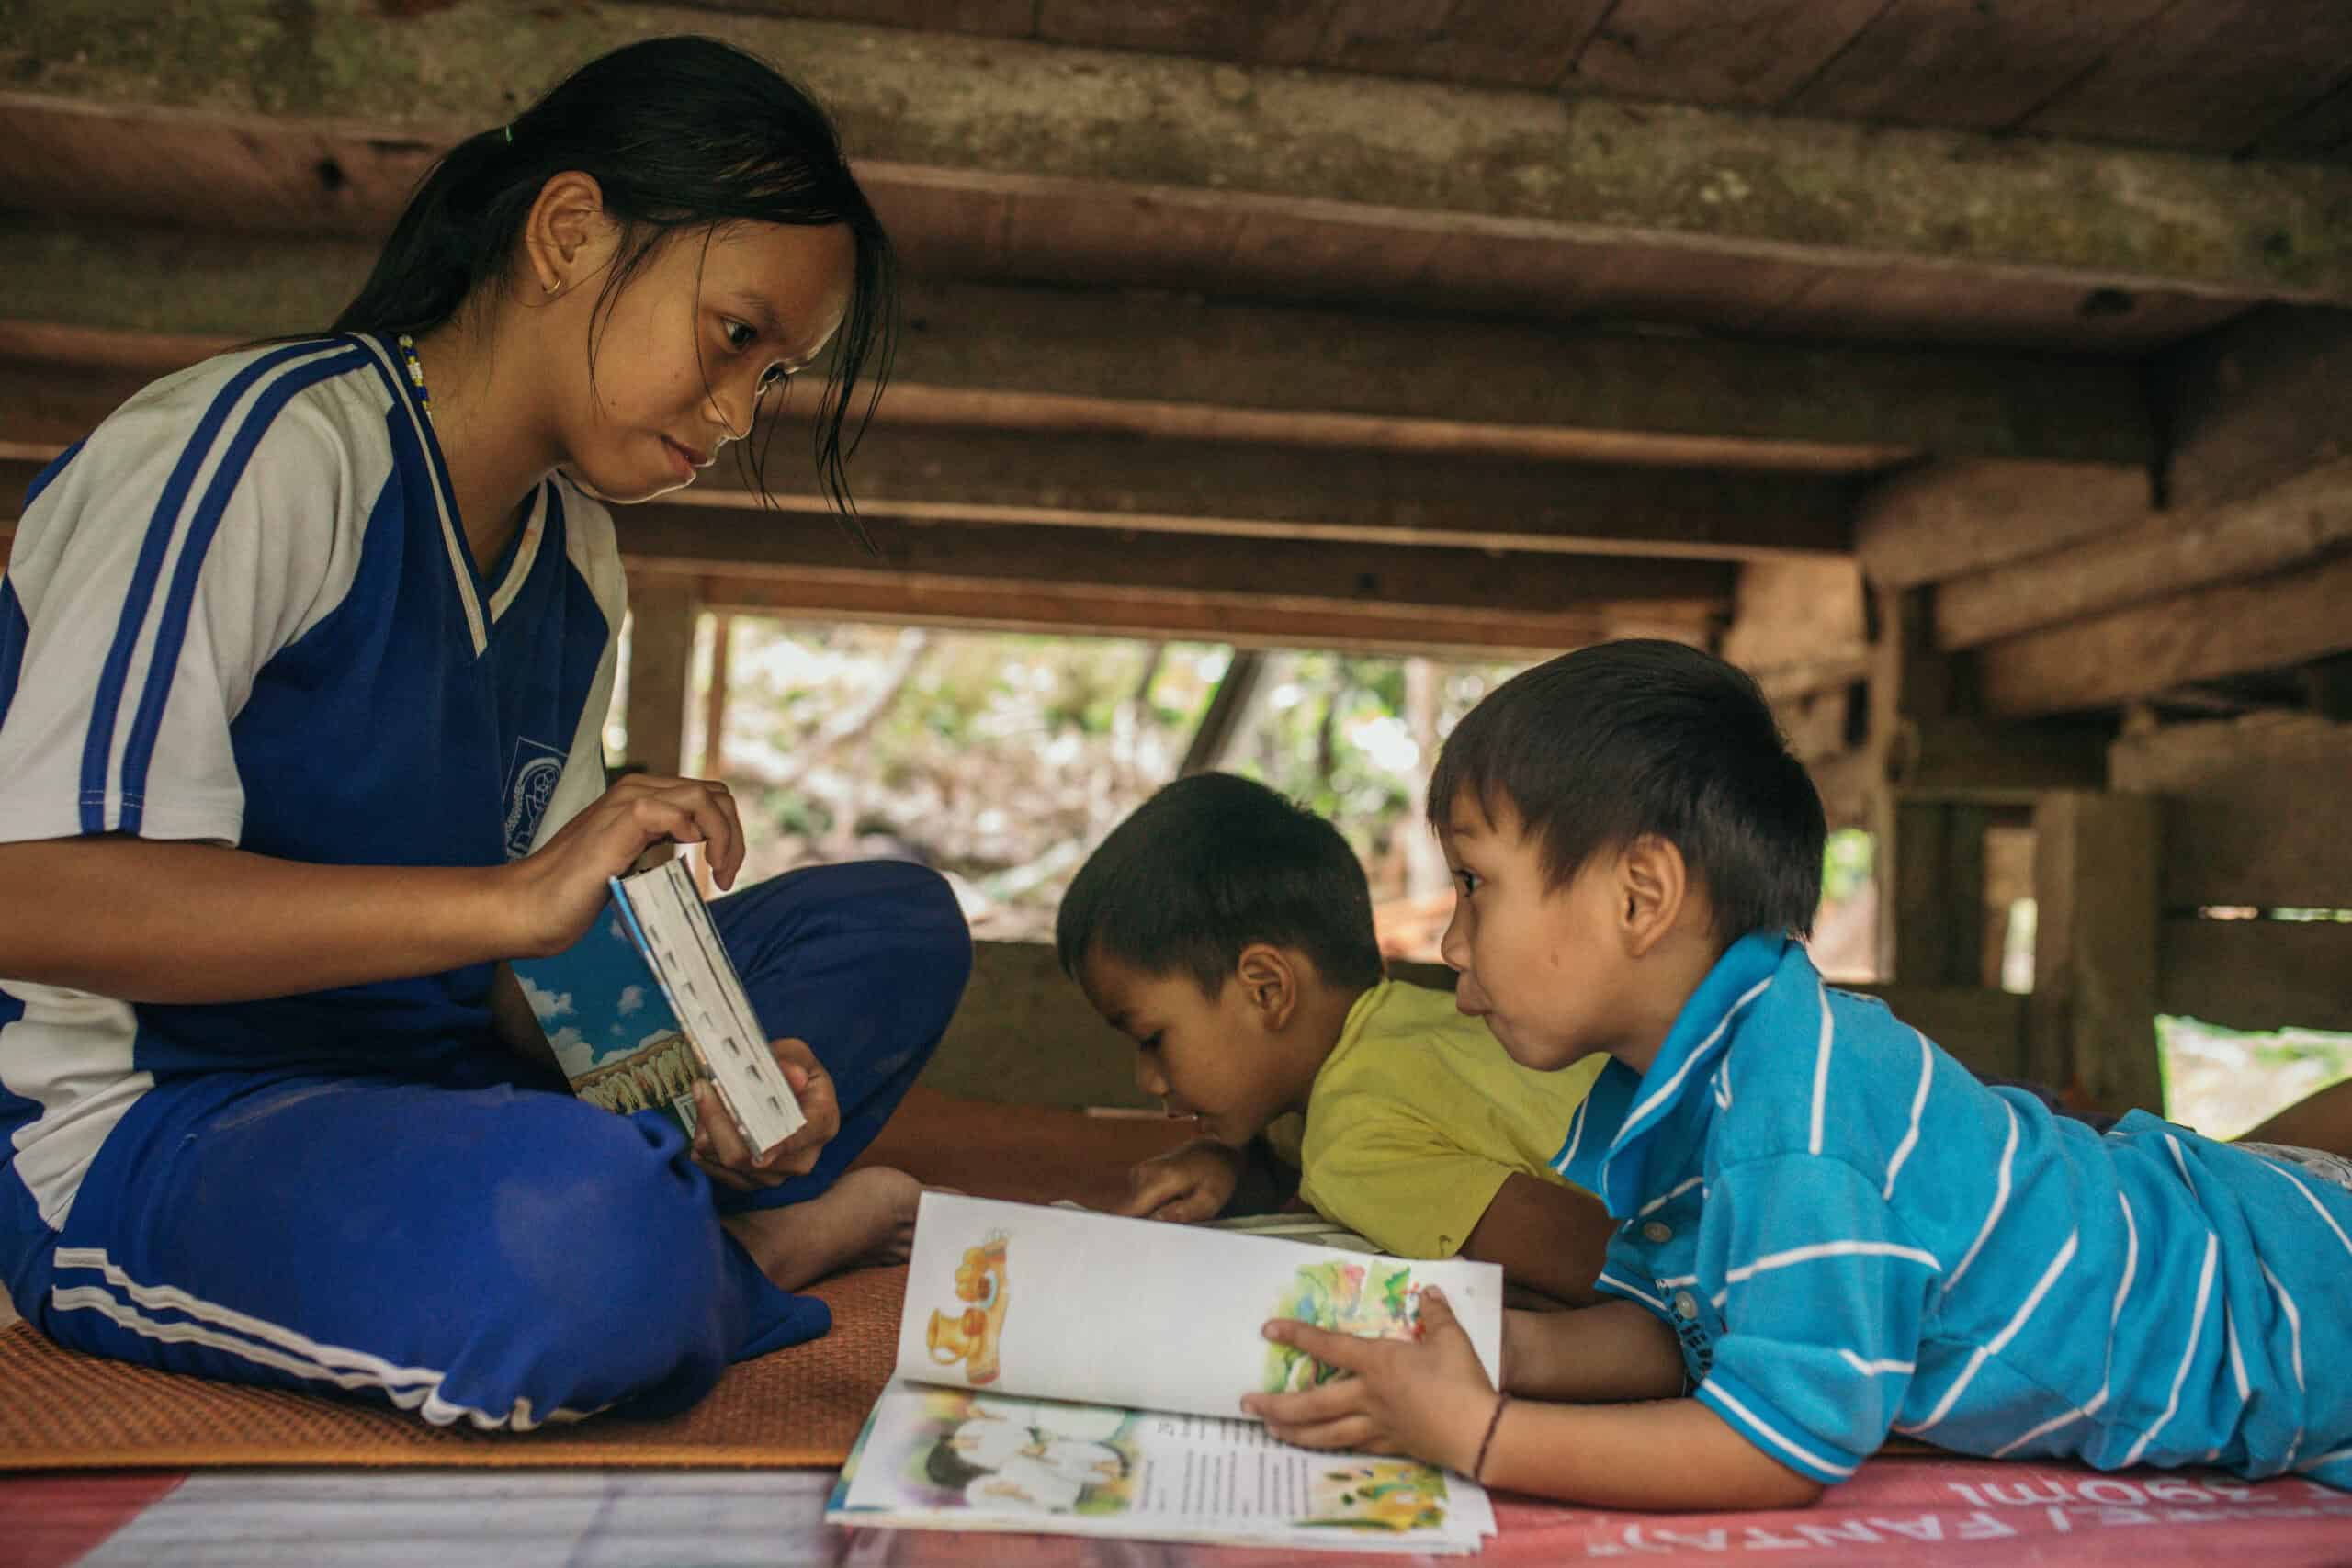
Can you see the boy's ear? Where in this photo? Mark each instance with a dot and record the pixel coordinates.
(564, 230)
(1653, 886)
(1269, 979)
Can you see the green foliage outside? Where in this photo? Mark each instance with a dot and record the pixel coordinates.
(1002, 759)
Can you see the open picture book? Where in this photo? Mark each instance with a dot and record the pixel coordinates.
(1076, 1372)
(648, 1004)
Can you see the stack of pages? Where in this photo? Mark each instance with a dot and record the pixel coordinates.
(1078, 1374)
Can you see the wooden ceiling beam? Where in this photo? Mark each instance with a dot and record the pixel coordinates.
(1942, 520)
(1272, 571)
(1220, 368)
(1060, 609)
(990, 119)
(1200, 489)
(1242, 492)
(2233, 628)
(2255, 404)
(2168, 552)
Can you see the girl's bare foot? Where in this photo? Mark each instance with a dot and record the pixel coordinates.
(867, 1218)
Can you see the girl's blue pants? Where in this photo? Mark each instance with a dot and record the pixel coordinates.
(493, 1251)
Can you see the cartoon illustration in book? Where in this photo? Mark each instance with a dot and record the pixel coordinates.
(1381, 1493)
(971, 1335)
(1373, 1300)
(1008, 1457)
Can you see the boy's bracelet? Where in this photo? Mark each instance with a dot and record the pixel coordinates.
(1478, 1467)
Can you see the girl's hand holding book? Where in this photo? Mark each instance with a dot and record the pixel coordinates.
(556, 891)
(719, 1149)
(1427, 1398)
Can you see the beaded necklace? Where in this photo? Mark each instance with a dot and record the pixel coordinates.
(416, 373)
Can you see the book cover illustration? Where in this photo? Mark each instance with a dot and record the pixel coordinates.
(648, 1003)
(609, 1026)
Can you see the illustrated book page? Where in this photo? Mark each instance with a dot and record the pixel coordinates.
(951, 1459)
(1049, 1302)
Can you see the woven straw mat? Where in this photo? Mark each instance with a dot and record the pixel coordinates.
(801, 1407)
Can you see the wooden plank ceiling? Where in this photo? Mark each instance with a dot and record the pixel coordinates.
(1448, 323)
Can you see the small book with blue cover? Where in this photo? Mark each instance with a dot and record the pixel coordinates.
(648, 1004)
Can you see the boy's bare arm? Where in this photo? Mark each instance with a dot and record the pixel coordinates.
(1548, 1236)
(1600, 1355)
(1672, 1454)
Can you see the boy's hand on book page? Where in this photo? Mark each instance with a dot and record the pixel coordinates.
(1189, 1182)
(719, 1149)
(559, 888)
(1428, 1398)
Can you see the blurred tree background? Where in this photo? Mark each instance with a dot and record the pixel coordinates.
(1002, 759)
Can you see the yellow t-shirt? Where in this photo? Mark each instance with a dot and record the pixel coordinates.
(1418, 1116)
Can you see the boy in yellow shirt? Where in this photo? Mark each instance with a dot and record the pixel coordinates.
(1229, 934)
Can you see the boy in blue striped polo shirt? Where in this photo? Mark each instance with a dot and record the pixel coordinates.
(1829, 1230)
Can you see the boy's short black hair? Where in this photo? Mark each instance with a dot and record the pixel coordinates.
(1596, 747)
(1210, 864)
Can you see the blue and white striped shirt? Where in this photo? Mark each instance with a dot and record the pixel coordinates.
(244, 612)
(1852, 1235)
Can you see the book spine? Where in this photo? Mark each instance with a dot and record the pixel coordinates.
(656, 971)
(726, 1033)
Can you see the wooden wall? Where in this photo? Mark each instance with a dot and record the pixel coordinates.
(1024, 1035)
(2253, 823)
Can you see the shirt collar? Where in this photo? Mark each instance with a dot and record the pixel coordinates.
(1624, 1110)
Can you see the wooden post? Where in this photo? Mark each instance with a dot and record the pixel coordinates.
(714, 728)
(1909, 684)
(1936, 883)
(1228, 706)
(661, 652)
(2092, 1017)
(714, 699)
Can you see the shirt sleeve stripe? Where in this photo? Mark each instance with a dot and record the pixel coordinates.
(1575, 1136)
(1918, 1106)
(14, 632)
(1808, 1457)
(2196, 1332)
(2295, 1342)
(1663, 1199)
(2000, 1341)
(1821, 1249)
(1821, 1066)
(114, 675)
(1666, 1092)
(1611, 1283)
(2296, 1184)
(2000, 1200)
(162, 662)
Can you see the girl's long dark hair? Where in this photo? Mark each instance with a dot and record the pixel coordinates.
(680, 133)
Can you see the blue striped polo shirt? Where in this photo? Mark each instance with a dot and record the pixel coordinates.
(1852, 1236)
